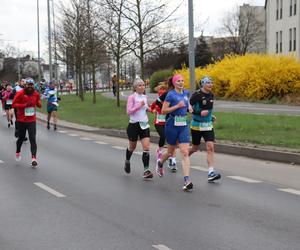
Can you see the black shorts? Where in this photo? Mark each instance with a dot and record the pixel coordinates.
(7, 107)
(197, 135)
(134, 131)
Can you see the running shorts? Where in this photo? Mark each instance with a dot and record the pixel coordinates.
(134, 131)
(174, 134)
(197, 135)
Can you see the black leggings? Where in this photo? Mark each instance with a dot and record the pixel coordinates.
(31, 127)
(161, 131)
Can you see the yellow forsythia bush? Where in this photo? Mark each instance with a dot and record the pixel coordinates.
(251, 76)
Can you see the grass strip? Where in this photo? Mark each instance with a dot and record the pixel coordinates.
(274, 130)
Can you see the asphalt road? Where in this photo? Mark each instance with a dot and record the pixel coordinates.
(230, 106)
(91, 204)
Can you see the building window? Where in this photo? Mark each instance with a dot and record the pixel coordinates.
(290, 40)
(294, 40)
(281, 9)
(295, 7)
(280, 41)
(276, 42)
(291, 7)
(277, 9)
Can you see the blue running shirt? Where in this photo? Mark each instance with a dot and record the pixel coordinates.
(173, 97)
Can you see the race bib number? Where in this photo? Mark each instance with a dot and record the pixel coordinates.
(180, 121)
(160, 118)
(205, 126)
(29, 111)
(144, 125)
(9, 102)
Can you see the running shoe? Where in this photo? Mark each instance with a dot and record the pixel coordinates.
(159, 169)
(18, 156)
(8, 125)
(212, 176)
(48, 125)
(127, 167)
(11, 122)
(55, 128)
(187, 186)
(147, 174)
(34, 162)
(172, 165)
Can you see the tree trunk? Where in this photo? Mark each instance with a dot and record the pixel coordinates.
(94, 82)
(117, 83)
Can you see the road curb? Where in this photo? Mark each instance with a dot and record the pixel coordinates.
(256, 153)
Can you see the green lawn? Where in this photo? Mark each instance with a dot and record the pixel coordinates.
(281, 131)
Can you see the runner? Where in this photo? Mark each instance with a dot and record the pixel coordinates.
(26, 101)
(177, 105)
(160, 121)
(6, 97)
(16, 89)
(52, 104)
(138, 126)
(2, 89)
(202, 124)
(114, 84)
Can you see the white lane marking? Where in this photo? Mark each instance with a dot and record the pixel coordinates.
(62, 131)
(85, 139)
(161, 247)
(1, 161)
(200, 168)
(50, 190)
(244, 179)
(138, 153)
(73, 135)
(290, 190)
(101, 142)
(119, 148)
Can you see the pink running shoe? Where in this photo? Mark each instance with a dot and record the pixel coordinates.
(18, 156)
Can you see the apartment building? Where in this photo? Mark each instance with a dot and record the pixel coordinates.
(282, 27)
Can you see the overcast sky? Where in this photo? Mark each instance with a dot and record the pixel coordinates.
(18, 19)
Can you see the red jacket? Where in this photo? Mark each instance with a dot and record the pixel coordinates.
(156, 107)
(26, 106)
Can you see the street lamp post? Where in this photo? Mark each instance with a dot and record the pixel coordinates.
(38, 33)
(191, 47)
(49, 40)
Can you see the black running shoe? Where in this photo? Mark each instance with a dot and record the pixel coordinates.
(48, 126)
(187, 186)
(213, 176)
(147, 174)
(34, 163)
(127, 167)
(11, 122)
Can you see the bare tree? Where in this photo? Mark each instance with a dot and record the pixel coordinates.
(149, 19)
(9, 51)
(96, 49)
(116, 31)
(72, 33)
(242, 28)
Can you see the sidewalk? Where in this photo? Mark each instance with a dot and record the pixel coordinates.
(257, 152)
